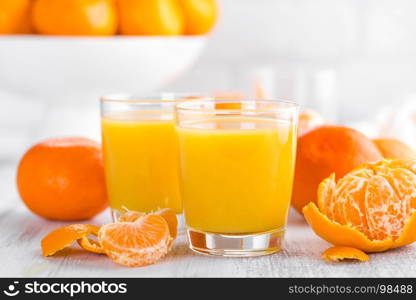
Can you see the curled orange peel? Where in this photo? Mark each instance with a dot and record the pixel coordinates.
(340, 253)
(344, 235)
(91, 245)
(64, 236)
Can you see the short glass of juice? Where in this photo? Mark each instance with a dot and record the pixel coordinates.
(236, 168)
(140, 152)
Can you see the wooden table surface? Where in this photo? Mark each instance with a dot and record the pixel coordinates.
(21, 232)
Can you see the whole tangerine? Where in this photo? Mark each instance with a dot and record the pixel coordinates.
(15, 16)
(200, 15)
(150, 17)
(326, 150)
(63, 179)
(75, 17)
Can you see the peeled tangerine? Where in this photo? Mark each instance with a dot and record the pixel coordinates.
(137, 239)
(372, 208)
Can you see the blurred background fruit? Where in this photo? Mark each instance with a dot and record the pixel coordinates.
(108, 17)
(150, 17)
(63, 179)
(326, 150)
(15, 16)
(75, 17)
(394, 148)
(200, 15)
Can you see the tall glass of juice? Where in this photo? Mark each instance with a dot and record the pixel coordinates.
(140, 152)
(236, 172)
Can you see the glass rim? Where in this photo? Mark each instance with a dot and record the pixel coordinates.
(191, 105)
(163, 97)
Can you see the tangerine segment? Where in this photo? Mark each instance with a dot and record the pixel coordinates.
(138, 243)
(345, 235)
(131, 216)
(339, 253)
(168, 214)
(63, 237)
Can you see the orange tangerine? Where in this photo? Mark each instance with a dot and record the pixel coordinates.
(75, 17)
(168, 214)
(137, 243)
(15, 16)
(371, 208)
(325, 150)
(200, 15)
(63, 179)
(136, 240)
(150, 17)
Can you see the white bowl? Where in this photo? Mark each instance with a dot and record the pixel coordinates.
(49, 66)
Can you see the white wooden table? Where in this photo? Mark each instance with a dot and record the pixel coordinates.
(21, 232)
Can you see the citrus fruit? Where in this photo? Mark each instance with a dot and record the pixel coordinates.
(63, 179)
(339, 253)
(131, 216)
(150, 17)
(137, 243)
(75, 17)
(200, 15)
(168, 214)
(371, 208)
(393, 148)
(15, 16)
(138, 239)
(64, 236)
(325, 150)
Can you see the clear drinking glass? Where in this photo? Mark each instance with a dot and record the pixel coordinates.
(236, 172)
(141, 152)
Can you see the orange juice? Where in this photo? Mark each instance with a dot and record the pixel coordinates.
(236, 173)
(140, 157)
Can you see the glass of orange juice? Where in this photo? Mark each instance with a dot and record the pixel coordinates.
(140, 152)
(236, 171)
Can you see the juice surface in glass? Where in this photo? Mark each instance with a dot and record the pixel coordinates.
(236, 173)
(140, 157)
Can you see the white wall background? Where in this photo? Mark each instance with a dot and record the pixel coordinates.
(369, 46)
(347, 58)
